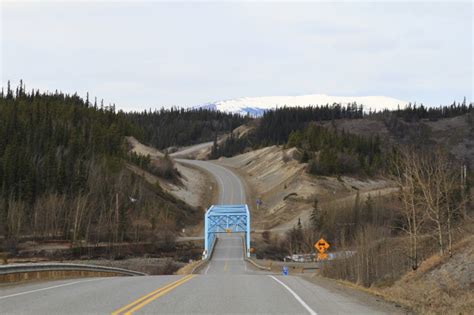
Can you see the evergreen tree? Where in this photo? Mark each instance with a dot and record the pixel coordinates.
(316, 216)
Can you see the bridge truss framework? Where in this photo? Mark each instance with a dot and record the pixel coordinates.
(226, 219)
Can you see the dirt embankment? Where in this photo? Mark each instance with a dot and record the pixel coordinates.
(287, 191)
(142, 149)
(441, 285)
(194, 188)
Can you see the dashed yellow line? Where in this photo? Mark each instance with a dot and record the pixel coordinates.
(144, 300)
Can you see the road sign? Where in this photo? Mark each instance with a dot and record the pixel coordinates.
(284, 271)
(228, 230)
(321, 245)
(322, 256)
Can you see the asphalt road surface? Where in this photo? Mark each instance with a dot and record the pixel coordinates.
(227, 285)
(231, 189)
(186, 151)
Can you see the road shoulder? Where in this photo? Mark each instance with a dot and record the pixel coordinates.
(372, 300)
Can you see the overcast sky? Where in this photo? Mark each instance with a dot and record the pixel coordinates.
(151, 54)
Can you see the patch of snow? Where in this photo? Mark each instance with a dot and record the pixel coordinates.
(256, 106)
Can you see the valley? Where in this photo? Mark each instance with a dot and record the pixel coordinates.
(136, 201)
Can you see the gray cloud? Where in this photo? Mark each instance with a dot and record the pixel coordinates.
(149, 54)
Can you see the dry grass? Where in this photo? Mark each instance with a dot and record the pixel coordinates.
(441, 285)
(188, 268)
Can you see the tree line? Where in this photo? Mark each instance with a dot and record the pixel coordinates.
(180, 127)
(330, 152)
(414, 113)
(276, 125)
(63, 174)
(327, 150)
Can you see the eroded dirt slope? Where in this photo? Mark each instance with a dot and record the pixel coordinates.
(194, 182)
(287, 191)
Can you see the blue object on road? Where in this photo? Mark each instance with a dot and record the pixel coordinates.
(285, 271)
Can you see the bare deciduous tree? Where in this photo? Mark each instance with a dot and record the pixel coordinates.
(412, 215)
(428, 182)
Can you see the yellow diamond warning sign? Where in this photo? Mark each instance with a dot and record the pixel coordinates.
(321, 245)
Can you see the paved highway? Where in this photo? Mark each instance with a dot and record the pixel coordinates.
(191, 150)
(231, 189)
(226, 285)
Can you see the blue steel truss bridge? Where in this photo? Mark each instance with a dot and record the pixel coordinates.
(226, 219)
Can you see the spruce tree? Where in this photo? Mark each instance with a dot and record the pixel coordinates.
(316, 216)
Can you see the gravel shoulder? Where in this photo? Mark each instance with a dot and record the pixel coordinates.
(372, 300)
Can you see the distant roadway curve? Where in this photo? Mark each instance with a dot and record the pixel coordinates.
(231, 189)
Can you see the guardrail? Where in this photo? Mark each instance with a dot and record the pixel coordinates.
(44, 267)
(250, 260)
(199, 266)
(203, 262)
(276, 268)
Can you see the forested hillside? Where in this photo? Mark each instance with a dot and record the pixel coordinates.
(62, 173)
(332, 147)
(180, 127)
(416, 113)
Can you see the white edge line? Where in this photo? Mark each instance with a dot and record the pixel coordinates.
(207, 269)
(236, 178)
(243, 255)
(296, 296)
(47, 288)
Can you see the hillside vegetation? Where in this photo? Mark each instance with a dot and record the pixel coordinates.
(391, 192)
(63, 175)
(181, 127)
(338, 140)
(442, 285)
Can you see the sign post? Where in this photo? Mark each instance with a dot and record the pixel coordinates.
(322, 256)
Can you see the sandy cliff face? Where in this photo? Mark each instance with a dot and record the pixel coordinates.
(287, 191)
(193, 187)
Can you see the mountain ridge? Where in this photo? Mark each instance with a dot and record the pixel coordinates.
(256, 106)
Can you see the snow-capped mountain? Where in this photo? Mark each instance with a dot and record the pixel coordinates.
(256, 106)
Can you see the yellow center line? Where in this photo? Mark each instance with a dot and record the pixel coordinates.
(152, 295)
